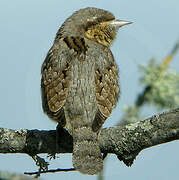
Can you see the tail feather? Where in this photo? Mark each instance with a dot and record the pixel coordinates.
(87, 156)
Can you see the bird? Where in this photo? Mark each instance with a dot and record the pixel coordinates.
(80, 82)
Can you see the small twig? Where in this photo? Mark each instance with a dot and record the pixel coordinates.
(50, 171)
(170, 56)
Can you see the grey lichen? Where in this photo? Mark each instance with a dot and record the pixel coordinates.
(132, 126)
(12, 140)
(146, 126)
(126, 142)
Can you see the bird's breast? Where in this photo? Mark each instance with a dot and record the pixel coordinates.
(81, 99)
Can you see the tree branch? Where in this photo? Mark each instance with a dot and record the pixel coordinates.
(126, 142)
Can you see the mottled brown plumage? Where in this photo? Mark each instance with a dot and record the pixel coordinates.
(80, 82)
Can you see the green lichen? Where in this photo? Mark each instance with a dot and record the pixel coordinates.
(132, 126)
(146, 126)
(164, 93)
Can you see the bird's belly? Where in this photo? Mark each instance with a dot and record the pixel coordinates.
(81, 100)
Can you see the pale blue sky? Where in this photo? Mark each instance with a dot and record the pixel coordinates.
(27, 30)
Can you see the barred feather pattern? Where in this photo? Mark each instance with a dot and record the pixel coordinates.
(79, 85)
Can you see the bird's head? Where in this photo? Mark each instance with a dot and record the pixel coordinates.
(95, 24)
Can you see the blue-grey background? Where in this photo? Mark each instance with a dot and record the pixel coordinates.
(27, 31)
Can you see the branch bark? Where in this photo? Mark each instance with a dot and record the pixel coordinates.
(126, 142)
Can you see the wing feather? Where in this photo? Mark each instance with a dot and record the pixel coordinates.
(107, 93)
(54, 83)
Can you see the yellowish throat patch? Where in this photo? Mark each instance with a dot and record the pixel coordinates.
(101, 33)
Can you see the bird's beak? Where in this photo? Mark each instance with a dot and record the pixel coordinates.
(119, 23)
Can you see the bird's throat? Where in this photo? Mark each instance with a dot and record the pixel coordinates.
(100, 34)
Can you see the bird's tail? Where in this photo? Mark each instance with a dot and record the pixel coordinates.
(87, 156)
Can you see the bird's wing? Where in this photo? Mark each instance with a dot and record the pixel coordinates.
(55, 82)
(107, 92)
